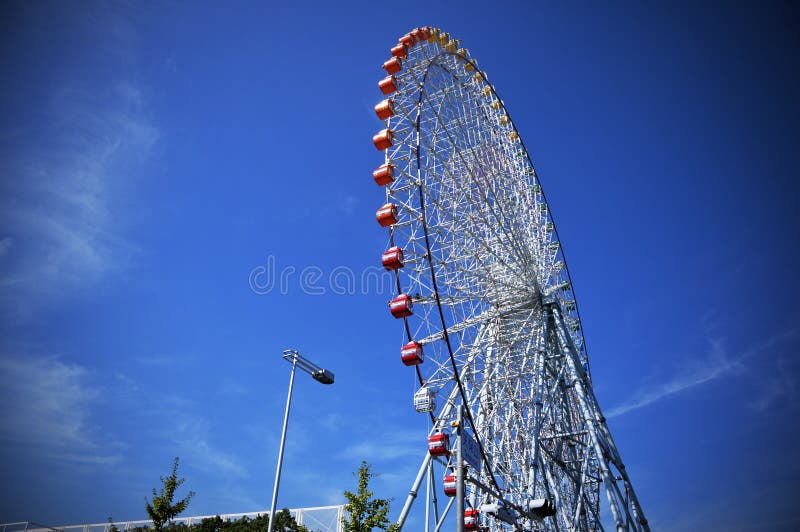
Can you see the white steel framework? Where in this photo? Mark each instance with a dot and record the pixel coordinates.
(493, 305)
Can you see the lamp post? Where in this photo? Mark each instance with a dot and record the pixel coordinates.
(320, 375)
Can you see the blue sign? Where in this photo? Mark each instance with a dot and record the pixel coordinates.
(470, 451)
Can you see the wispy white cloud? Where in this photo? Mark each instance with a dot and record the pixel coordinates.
(47, 403)
(205, 454)
(5, 245)
(160, 360)
(348, 205)
(393, 454)
(59, 201)
(238, 498)
(331, 421)
(372, 450)
(192, 434)
(781, 384)
(712, 366)
(386, 445)
(231, 386)
(717, 363)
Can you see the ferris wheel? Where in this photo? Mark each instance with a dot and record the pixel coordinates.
(489, 316)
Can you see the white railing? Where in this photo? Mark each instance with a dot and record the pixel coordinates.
(322, 518)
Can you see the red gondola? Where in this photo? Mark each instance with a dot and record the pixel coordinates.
(399, 50)
(472, 519)
(411, 354)
(393, 65)
(388, 85)
(387, 215)
(401, 306)
(439, 444)
(392, 258)
(385, 109)
(450, 485)
(383, 139)
(384, 174)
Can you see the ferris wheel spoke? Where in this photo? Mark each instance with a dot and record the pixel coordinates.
(462, 128)
(480, 188)
(467, 231)
(483, 245)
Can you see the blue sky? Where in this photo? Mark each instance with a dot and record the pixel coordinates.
(156, 155)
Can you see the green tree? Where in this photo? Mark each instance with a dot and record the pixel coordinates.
(210, 524)
(364, 512)
(283, 521)
(162, 509)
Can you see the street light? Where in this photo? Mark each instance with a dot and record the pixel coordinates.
(320, 375)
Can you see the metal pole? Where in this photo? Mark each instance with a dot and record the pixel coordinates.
(283, 442)
(440, 522)
(459, 474)
(433, 494)
(414, 488)
(538, 402)
(428, 498)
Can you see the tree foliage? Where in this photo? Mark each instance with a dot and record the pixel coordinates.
(111, 526)
(283, 521)
(161, 510)
(364, 512)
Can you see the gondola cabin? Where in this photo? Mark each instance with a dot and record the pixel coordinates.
(387, 215)
(401, 306)
(424, 400)
(393, 65)
(411, 354)
(388, 84)
(472, 519)
(384, 174)
(392, 259)
(450, 485)
(399, 51)
(385, 109)
(383, 139)
(439, 444)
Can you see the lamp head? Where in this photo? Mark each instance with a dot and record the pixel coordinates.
(323, 375)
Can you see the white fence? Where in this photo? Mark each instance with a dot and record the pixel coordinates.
(322, 518)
